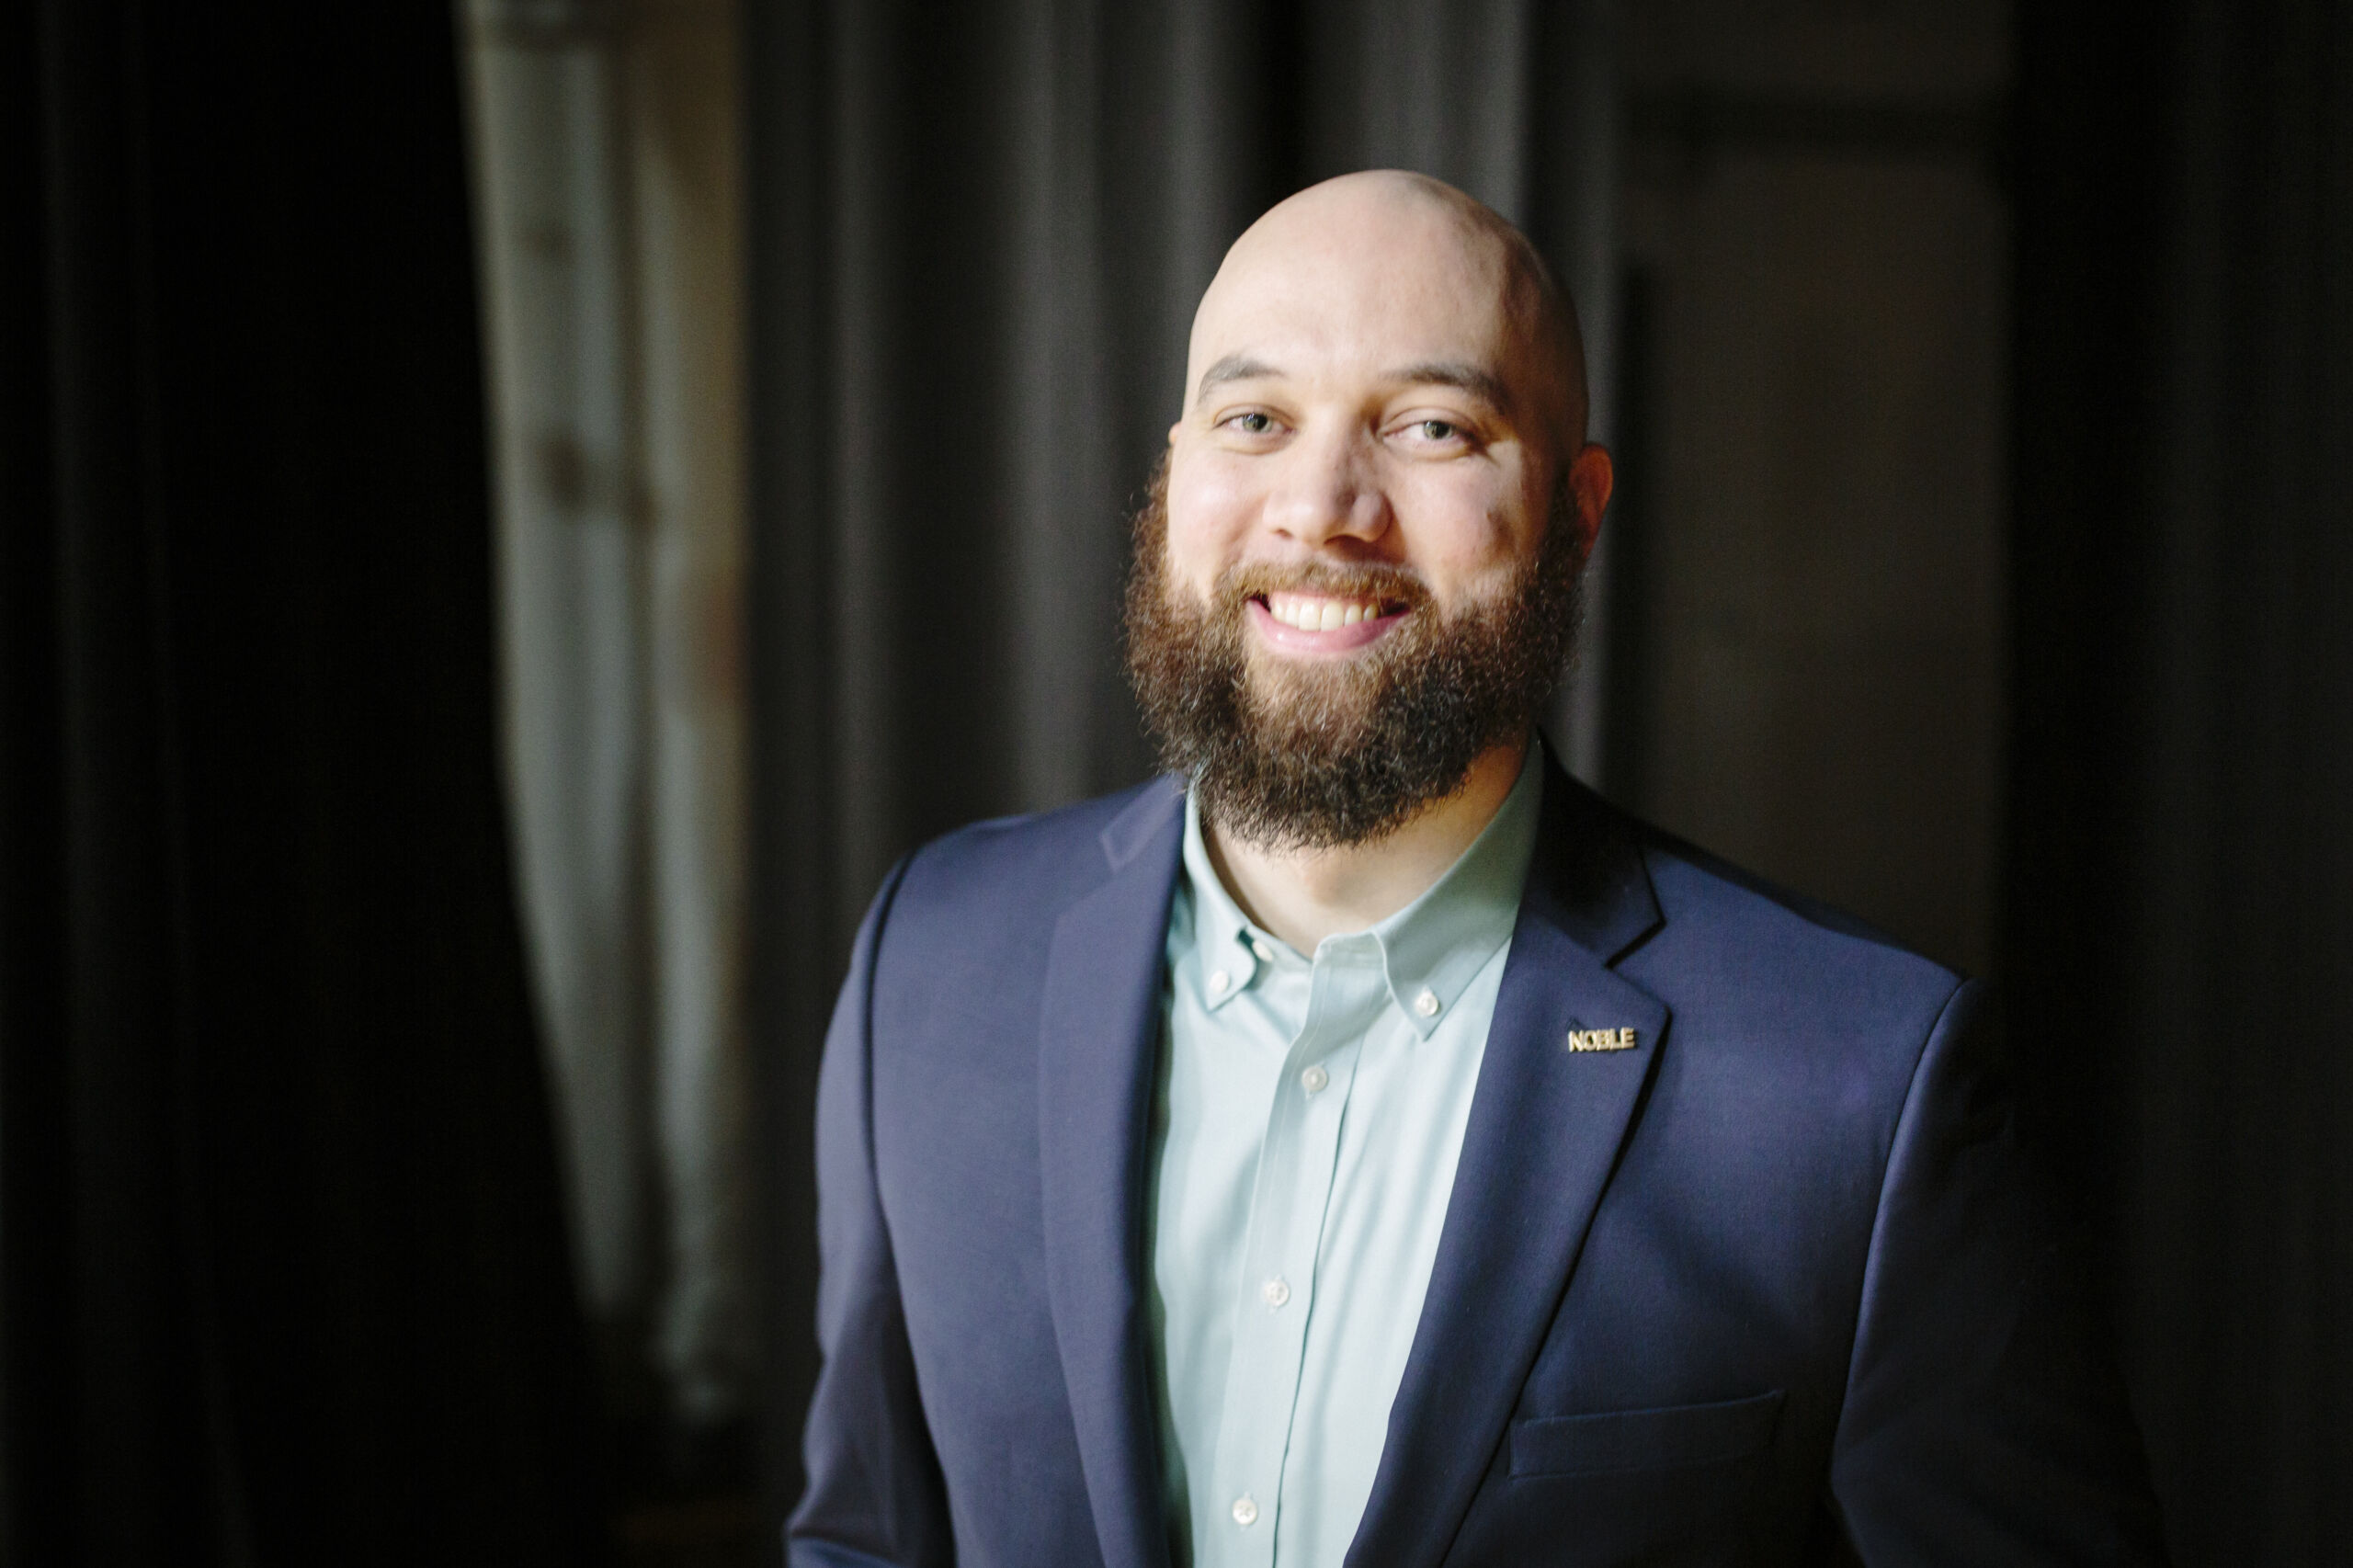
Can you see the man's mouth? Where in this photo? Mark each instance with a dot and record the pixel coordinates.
(1322, 623)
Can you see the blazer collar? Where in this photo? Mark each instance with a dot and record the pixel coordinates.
(1100, 1027)
(1547, 1122)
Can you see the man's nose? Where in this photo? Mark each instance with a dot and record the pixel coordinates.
(1329, 490)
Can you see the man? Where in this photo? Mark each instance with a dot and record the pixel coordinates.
(1365, 1144)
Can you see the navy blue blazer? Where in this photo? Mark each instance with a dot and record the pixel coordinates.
(1771, 1285)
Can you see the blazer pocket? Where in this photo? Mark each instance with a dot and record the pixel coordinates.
(1644, 1439)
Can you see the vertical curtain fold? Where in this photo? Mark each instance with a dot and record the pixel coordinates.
(605, 143)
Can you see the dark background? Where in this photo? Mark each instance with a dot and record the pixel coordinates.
(282, 1271)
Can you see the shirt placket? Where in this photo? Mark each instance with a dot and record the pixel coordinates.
(1289, 1199)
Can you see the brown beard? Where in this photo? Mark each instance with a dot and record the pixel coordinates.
(1313, 757)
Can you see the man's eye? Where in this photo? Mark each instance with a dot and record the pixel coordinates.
(1253, 423)
(1436, 429)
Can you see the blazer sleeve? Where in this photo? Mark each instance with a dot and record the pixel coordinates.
(1985, 1418)
(875, 1494)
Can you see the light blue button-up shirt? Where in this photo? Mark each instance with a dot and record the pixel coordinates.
(1307, 1123)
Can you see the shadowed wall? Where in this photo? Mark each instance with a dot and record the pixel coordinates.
(2178, 908)
(282, 1270)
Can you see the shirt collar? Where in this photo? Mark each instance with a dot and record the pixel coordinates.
(1435, 945)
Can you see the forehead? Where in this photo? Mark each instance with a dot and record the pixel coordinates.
(1357, 287)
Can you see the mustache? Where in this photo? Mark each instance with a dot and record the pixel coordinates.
(1397, 587)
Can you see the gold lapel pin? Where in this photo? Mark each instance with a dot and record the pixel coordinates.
(1601, 1040)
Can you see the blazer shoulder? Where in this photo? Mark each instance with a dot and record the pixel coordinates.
(1749, 944)
(1038, 861)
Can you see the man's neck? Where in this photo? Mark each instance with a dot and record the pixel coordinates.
(1305, 896)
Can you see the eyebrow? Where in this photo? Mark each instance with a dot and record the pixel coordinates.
(1458, 373)
(1232, 368)
(1478, 381)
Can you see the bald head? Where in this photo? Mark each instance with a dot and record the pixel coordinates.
(1389, 249)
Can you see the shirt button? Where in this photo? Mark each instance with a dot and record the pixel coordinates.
(1314, 1080)
(1265, 954)
(1245, 1512)
(1275, 1292)
(1427, 1003)
(1219, 981)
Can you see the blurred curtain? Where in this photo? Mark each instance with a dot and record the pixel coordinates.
(282, 1272)
(2179, 941)
(977, 234)
(605, 144)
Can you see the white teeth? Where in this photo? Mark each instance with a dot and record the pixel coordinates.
(1318, 614)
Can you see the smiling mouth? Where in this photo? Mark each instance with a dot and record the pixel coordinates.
(1315, 612)
(1322, 624)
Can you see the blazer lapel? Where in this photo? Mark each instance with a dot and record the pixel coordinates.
(1100, 1022)
(1546, 1125)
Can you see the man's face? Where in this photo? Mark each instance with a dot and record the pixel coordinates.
(1359, 574)
(1358, 397)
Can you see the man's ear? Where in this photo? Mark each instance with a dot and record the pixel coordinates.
(1590, 479)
